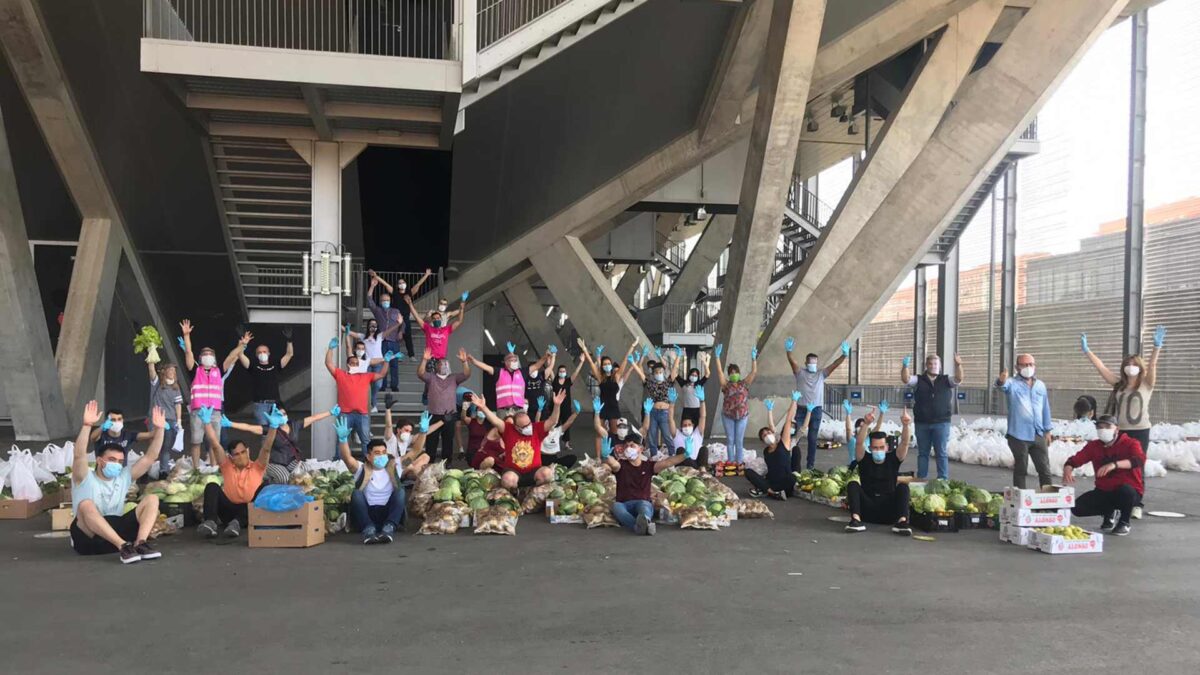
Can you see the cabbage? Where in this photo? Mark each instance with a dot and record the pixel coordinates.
(211, 478)
(936, 503)
(443, 495)
(478, 503)
(827, 487)
(716, 508)
(178, 498)
(957, 501)
(176, 488)
(695, 486)
(129, 506)
(146, 338)
(937, 486)
(994, 504)
(454, 473)
(451, 483)
(916, 490)
(978, 496)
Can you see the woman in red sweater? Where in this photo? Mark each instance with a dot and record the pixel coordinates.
(1117, 459)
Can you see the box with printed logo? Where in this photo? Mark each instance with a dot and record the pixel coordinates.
(1052, 497)
(1055, 544)
(1023, 517)
(1021, 536)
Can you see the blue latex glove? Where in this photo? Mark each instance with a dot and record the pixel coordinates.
(335, 411)
(182, 344)
(541, 403)
(599, 350)
(884, 407)
(106, 426)
(906, 362)
(687, 447)
(166, 426)
(1160, 336)
(811, 407)
(512, 349)
(1083, 343)
(465, 295)
(423, 425)
(347, 329)
(597, 406)
(333, 344)
(720, 348)
(789, 344)
(672, 395)
(700, 394)
(605, 447)
(796, 396)
(552, 349)
(575, 405)
(845, 348)
(225, 423)
(632, 359)
(647, 406)
(847, 407)
(276, 419)
(678, 352)
(389, 356)
(658, 354)
(205, 414)
(342, 427)
(769, 404)
(754, 354)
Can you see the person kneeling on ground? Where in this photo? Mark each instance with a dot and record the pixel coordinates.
(377, 503)
(779, 481)
(632, 506)
(552, 443)
(228, 504)
(521, 460)
(877, 498)
(101, 525)
(689, 435)
(1117, 459)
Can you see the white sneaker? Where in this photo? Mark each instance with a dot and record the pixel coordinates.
(1136, 513)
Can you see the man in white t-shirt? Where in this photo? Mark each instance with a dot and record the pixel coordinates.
(552, 443)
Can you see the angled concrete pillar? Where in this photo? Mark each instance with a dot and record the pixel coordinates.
(588, 298)
(992, 109)
(774, 140)
(900, 141)
(947, 309)
(31, 385)
(532, 315)
(700, 262)
(629, 284)
(738, 65)
(85, 319)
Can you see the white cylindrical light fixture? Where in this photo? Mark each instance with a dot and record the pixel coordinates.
(305, 270)
(346, 274)
(325, 273)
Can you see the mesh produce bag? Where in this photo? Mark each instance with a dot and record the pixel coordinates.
(496, 519)
(753, 508)
(442, 518)
(599, 515)
(697, 518)
(535, 500)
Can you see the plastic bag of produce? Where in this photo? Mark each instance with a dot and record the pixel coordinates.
(162, 527)
(498, 519)
(281, 498)
(718, 488)
(442, 518)
(659, 498)
(535, 500)
(496, 494)
(599, 515)
(697, 518)
(21, 476)
(418, 503)
(753, 508)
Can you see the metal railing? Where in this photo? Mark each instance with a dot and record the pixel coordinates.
(497, 19)
(424, 29)
(424, 302)
(1031, 132)
(682, 317)
(804, 202)
(273, 287)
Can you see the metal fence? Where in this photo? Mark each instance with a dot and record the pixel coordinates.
(682, 317)
(409, 28)
(497, 19)
(427, 301)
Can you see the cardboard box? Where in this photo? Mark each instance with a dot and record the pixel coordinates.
(62, 517)
(1021, 536)
(1030, 518)
(1055, 497)
(556, 518)
(1056, 544)
(301, 528)
(20, 509)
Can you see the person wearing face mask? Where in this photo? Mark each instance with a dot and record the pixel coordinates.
(264, 376)
(521, 461)
(689, 435)
(877, 497)
(377, 502)
(285, 449)
(933, 405)
(1085, 409)
(1117, 459)
(1129, 400)
(779, 481)
(632, 506)
(563, 381)
(660, 391)
(101, 525)
(537, 381)
(114, 432)
(553, 442)
(354, 389)
(689, 386)
(1029, 420)
(852, 434)
(623, 432)
(810, 380)
(437, 334)
(442, 386)
(391, 321)
(735, 407)
(208, 383)
(166, 394)
(373, 342)
(228, 504)
(612, 379)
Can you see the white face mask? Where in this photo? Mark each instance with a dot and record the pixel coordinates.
(659, 377)
(208, 360)
(511, 365)
(693, 379)
(117, 427)
(632, 453)
(401, 287)
(935, 368)
(169, 380)
(405, 437)
(812, 367)
(443, 370)
(769, 439)
(441, 308)
(1106, 435)
(360, 368)
(1132, 371)
(526, 430)
(562, 374)
(1027, 372)
(622, 432)
(263, 358)
(687, 431)
(360, 353)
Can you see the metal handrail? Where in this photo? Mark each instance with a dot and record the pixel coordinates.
(425, 302)
(682, 317)
(425, 30)
(1031, 131)
(497, 19)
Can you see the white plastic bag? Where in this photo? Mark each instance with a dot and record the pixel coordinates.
(21, 477)
(25, 457)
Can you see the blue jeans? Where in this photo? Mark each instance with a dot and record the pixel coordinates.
(626, 513)
(735, 437)
(936, 436)
(261, 410)
(660, 427)
(392, 380)
(814, 431)
(360, 425)
(364, 516)
(377, 383)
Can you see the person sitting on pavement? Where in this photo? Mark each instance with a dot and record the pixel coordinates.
(632, 506)
(552, 443)
(228, 504)
(1117, 459)
(689, 435)
(779, 481)
(377, 502)
(852, 435)
(624, 431)
(520, 461)
(285, 451)
(101, 524)
(877, 497)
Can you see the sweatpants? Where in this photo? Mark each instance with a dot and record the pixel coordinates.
(883, 509)
(1104, 502)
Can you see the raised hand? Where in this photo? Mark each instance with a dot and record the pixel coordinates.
(512, 349)
(1083, 343)
(869, 418)
(845, 348)
(205, 414)
(754, 354)
(106, 426)
(599, 350)
(632, 359)
(335, 411)
(91, 413)
(582, 344)
(244, 341)
(464, 296)
(597, 406)
(1003, 376)
(847, 407)
(957, 359)
(333, 344)
(427, 354)
(678, 352)
(605, 447)
(552, 349)
(186, 327)
(182, 343)
(423, 425)
(390, 356)
(575, 405)
(720, 348)
(462, 354)
(1160, 336)
(560, 397)
(796, 396)
(672, 396)
(225, 422)
(789, 344)
(276, 419)
(647, 406)
(884, 406)
(769, 404)
(810, 407)
(347, 329)
(906, 362)
(286, 332)
(541, 403)
(658, 354)
(159, 418)
(905, 418)
(342, 427)
(700, 394)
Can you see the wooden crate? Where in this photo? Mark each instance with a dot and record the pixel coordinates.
(20, 509)
(301, 528)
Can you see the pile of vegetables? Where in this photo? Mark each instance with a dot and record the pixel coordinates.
(182, 488)
(573, 493)
(474, 490)
(331, 487)
(1067, 532)
(684, 492)
(827, 485)
(944, 497)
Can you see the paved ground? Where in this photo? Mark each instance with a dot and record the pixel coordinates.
(788, 595)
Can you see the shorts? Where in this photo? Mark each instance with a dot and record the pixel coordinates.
(610, 411)
(125, 526)
(197, 427)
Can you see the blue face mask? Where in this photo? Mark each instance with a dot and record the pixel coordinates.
(379, 461)
(112, 469)
(878, 456)
(607, 367)
(386, 304)
(812, 367)
(659, 377)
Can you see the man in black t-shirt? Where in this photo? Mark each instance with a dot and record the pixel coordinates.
(877, 497)
(264, 376)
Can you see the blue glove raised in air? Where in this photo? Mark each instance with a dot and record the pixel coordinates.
(796, 396)
(687, 447)
(700, 394)
(789, 344)
(632, 359)
(845, 348)
(672, 395)
(678, 352)
(541, 403)
(647, 406)
(347, 329)
(605, 447)
(575, 405)
(335, 411)
(512, 349)
(907, 361)
(720, 348)
(597, 406)
(333, 343)
(884, 406)
(465, 295)
(811, 407)
(106, 426)
(847, 407)
(658, 353)
(1083, 345)
(276, 419)
(769, 404)
(342, 427)
(205, 414)
(552, 349)
(225, 423)
(754, 354)
(1160, 336)
(390, 356)
(182, 343)
(423, 425)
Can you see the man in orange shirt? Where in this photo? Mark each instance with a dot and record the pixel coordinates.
(228, 504)
(354, 390)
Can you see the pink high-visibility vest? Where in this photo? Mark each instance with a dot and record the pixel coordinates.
(510, 389)
(208, 388)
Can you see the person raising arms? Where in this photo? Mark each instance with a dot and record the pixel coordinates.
(810, 380)
(735, 409)
(779, 481)
(878, 497)
(228, 504)
(611, 378)
(208, 382)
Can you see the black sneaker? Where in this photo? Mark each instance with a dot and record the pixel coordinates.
(207, 529)
(387, 536)
(855, 526)
(1107, 524)
(780, 495)
(756, 493)
(146, 551)
(642, 526)
(233, 530)
(1121, 530)
(370, 536)
(902, 529)
(129, 554)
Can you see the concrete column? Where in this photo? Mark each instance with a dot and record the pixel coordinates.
(774, 141)
(588, 298)
(629, 284)
(739, 63)
(700, 263)
(947, 308)
(31, 384)
(1135, 225)
(920, 293)
(85, 319)
(532, 315)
